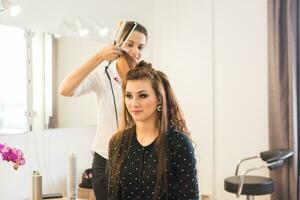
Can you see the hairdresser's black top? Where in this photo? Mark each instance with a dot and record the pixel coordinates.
(137, 176)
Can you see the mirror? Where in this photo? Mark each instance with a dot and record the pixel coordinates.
(69, 53)
(62, 56)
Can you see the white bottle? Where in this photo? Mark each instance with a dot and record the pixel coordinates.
(72, 178)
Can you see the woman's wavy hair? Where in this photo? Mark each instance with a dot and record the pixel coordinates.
(170, 117)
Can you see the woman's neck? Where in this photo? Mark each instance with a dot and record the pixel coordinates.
(146, 132)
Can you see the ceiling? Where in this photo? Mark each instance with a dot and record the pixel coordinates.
(51, 15)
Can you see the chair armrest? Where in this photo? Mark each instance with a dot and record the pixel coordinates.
(276, 154)
(271, 165)
(282, 155)
(240, 162)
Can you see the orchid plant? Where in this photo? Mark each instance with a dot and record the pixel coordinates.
(12, 155)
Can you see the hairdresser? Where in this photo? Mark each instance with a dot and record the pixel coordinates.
(106, 82)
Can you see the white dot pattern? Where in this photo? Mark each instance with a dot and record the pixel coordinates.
(137, 176)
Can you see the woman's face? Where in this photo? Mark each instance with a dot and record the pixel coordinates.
(141, 100)
(135, 45)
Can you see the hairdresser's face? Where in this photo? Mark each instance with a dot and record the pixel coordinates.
(135, 45)
(141, 100)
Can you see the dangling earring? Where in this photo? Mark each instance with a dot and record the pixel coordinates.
(159, 108)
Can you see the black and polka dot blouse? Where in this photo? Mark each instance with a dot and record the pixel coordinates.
(137, 174)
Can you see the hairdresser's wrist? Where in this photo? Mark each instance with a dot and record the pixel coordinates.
(98, 58)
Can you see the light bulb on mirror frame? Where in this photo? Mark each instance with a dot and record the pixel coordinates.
(15, 10)
(83, 31)
(10, 8)
(100, 31)
(104, 31)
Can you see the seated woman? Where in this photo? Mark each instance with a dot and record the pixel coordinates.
(152, 156)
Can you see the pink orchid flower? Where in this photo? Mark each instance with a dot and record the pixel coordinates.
(12, 155)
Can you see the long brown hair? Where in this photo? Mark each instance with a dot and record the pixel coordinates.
(170, 117)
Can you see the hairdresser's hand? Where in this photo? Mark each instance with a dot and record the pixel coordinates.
(110, 52)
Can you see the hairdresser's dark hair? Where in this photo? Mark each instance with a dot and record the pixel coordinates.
(139, 27)
(170, 117)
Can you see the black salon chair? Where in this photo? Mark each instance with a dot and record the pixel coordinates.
(252, 186)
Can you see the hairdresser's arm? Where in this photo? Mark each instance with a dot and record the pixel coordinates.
(73, 80)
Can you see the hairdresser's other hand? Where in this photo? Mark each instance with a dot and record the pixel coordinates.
(110, 52)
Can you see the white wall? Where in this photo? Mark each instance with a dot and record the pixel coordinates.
(241, 118)
(215, 53)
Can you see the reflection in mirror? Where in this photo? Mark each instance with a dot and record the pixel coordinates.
(13, 105)
(64, 54)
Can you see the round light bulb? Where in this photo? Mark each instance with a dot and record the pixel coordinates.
(84, 32)
(104, 31)
(56, 35)
(14, 10)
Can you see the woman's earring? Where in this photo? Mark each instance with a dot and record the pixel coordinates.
(159, 108)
